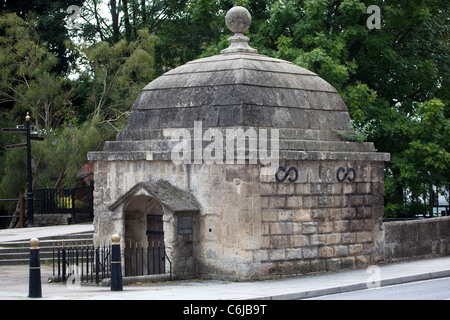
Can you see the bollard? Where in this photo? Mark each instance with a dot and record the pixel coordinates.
(116, 266)
(35, 290)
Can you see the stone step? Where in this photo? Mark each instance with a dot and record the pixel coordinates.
(284, 133)
(45, 242)
(18, 252)
(253, 144)
(283, 154)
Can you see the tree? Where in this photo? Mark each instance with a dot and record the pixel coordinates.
(115, 75)
(424, 162)
(27, 79)
(395, 75)
(28, 82)
(58, 158)
(184, 27)
(49, 17)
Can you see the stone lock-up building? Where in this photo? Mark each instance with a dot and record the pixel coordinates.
(238, 160)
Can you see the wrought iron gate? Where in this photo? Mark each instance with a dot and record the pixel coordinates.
(79, 202)
(89, 263)
(145, 260)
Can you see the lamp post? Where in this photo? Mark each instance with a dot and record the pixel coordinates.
(30, 177)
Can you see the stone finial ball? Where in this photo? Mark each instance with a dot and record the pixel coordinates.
(238, 19)
(115, 238)
(34, 243)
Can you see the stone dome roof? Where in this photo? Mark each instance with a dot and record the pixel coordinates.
(240, 88)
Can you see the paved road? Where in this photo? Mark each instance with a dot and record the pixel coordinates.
(437, 289)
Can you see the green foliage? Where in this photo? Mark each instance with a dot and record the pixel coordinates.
(425, 160)
(27, 82)
(49, 24)
(392, 75)
(359, 132)
(115, 75)
(58, 158)
(360, 100)
(394, 80)
(13, 173)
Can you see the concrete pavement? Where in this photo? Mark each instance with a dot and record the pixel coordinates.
(14, 283)
(43, 232)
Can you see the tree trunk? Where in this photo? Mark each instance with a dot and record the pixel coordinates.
(127, 20)
(115, 20)
(99, 30)
(144, 14)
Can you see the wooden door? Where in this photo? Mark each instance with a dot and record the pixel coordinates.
(156, 253)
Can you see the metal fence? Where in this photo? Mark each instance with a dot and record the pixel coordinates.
(91, 264)
(79, 202)
(87, 262)
(5, 221)
(145, 260)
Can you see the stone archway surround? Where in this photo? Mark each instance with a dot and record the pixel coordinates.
(130, 213)
(135, 213)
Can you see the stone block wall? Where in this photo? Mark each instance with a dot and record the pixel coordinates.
(55, 219)
(318, 223)
(417, 238)
(114, 179)
(252, 226)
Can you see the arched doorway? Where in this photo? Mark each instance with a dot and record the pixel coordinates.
(144, 236)
(158, 212)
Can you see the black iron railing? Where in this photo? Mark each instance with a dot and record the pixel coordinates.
(91, 264)
(145, 260)
(79, 202)
(81, 262)
(6, 220)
